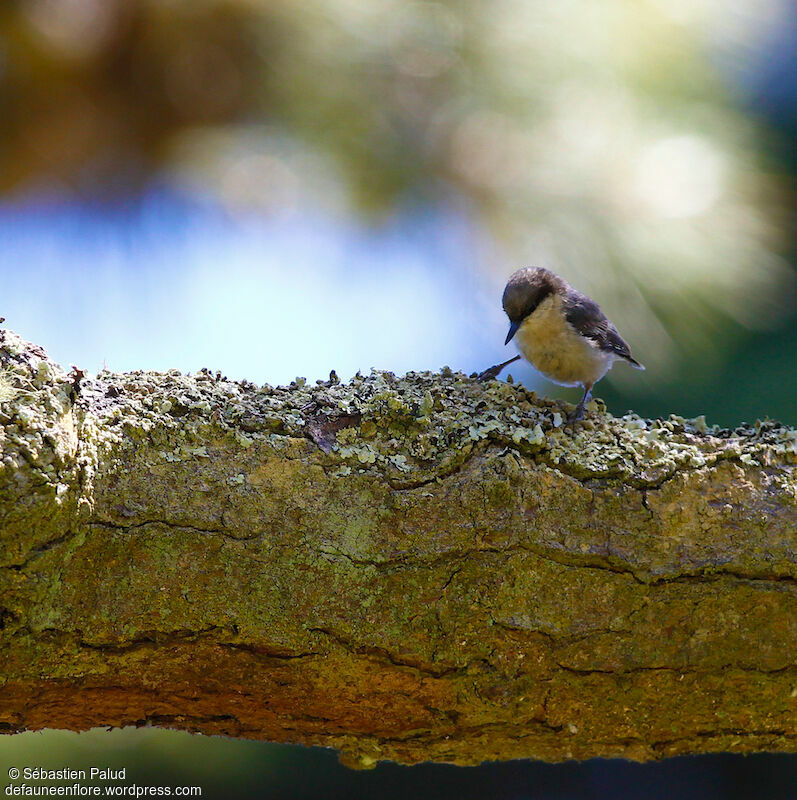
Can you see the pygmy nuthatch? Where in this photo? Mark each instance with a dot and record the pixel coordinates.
(562, 332)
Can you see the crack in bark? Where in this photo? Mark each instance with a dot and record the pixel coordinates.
(569, 559)
(385, 655)
(165, 524)
(267, 652)
(38, 551)
(685, 741)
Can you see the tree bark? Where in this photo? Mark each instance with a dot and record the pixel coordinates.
(417, 568)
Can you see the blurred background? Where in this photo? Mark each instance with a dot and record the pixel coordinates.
(275, 189)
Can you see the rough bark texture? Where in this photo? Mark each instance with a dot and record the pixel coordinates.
(417, 568)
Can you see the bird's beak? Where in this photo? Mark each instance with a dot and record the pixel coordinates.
(512, 331)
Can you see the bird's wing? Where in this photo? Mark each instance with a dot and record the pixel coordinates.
(587, 318)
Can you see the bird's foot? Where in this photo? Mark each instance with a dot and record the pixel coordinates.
(578, 411)
(491, 373)
(576, 414)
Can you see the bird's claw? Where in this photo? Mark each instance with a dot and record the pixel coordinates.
(576, 414)
(491, 373)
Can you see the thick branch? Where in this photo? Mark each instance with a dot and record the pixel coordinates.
(424, 568)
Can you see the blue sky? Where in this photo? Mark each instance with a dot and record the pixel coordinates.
(177, 284)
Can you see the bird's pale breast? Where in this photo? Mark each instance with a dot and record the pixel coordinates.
(557, 350)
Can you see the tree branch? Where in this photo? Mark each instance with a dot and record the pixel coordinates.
(423, 568)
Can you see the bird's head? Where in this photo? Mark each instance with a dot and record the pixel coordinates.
(524, 291)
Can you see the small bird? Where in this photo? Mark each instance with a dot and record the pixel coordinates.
(562, 332)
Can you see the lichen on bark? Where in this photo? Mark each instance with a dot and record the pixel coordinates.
(415, 568)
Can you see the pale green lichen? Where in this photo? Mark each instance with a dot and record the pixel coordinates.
(533, 437)
(400, 462)
(365, 454)
(243, 439)
(410, 423)
(424, 417)
(8, 391)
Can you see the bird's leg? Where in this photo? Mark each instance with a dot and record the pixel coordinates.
(578, 413)
(495, 370)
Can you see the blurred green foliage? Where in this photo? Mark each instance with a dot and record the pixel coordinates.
(597, 139)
